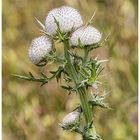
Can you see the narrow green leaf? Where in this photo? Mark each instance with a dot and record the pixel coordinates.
(22, 77)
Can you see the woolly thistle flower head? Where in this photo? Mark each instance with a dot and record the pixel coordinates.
(70, 120)
(88, 35)
(67, 17)
(39, 48)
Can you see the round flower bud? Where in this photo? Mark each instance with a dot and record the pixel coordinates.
(88, 35)
(71, 120)
(67, 17)
(39, 48)
(95, 85)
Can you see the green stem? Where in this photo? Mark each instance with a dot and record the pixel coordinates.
(86, 52)
(82, 93)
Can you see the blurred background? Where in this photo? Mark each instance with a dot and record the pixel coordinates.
(31, 112)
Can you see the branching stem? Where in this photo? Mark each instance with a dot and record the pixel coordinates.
(81, 91)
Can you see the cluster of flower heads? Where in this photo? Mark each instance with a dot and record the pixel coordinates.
(70, 21)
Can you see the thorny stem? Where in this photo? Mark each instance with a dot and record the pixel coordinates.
(82, 92)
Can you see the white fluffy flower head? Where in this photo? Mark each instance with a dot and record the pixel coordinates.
(88, 35)
(40, 47)
(67, 17)
(71, 119)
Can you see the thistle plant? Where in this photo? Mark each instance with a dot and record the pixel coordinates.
(80, 72)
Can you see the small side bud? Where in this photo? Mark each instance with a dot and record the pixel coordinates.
(71, 120)
(95, 85)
